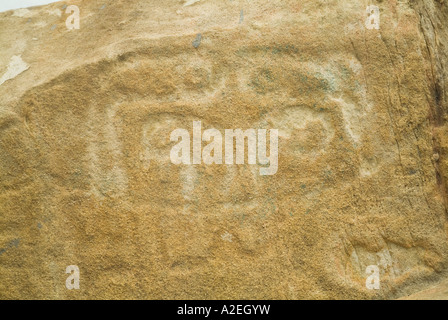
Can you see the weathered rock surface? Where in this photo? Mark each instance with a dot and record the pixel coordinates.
(434, 292)
(86, 178)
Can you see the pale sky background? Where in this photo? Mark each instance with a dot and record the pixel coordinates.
(16, 4)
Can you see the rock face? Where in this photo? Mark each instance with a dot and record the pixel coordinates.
(86, 177)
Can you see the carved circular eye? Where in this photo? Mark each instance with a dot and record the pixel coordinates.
(155, 137)
(303, 129)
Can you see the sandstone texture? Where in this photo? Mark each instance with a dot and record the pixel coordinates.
(85, 171)
(434, 292)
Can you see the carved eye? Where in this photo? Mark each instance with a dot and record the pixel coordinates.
(303, 129)
(155, 138)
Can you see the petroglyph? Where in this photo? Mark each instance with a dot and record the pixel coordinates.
(85, 141)
(104, 155)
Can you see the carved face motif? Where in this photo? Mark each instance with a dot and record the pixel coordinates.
(104, 135)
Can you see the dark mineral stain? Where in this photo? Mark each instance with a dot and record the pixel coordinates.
(13, 243)
(197, 41)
